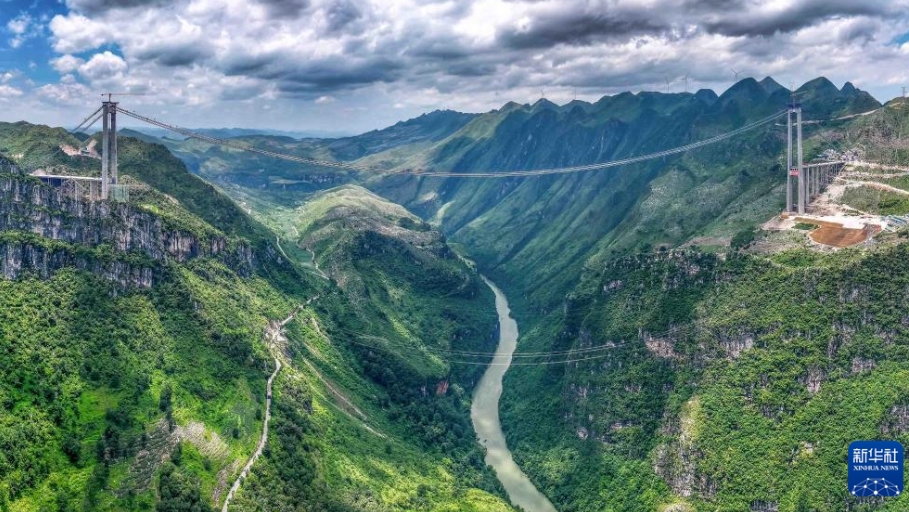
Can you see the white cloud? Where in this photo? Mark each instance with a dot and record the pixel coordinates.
(8, 91)
(22, 29)
(103, 66)
(19, 25)
(66, 64)
(379, 60)
(75, 33)
(74, 94)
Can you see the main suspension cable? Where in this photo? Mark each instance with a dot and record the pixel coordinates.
(448, 174)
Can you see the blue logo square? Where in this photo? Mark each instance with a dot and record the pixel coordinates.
(875, 468)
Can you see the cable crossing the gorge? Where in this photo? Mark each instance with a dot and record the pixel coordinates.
(449, 174)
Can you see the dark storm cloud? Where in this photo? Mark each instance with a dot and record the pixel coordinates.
(240, 93)
(292, 9)
(755, 22)
(586, 24)
(341, 14)
(92, 7)
(318, 76)
(758, 49)
(582, 28)
(243, 64)
(863, 30)
(713, 6)
(175, 55)
(437, 47)
(468, 69)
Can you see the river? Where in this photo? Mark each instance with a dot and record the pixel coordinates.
(485, 415)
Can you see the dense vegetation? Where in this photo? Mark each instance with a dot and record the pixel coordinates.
(536, 234)
(588, 259)
(84, 372)
(734, 378)
(131, 398)
(744, 381)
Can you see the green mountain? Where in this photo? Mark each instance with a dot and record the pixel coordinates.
(673, 355)
(514, 226)
(718, 365)
(138, 338)
(289, 180)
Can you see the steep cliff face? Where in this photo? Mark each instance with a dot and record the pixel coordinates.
(23, 256)
(714, 377)
(99, 231)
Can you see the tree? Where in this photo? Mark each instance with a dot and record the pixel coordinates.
(179, 492)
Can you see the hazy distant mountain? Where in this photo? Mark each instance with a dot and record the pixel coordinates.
(226, 133)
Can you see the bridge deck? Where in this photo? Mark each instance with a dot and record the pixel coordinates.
(59, 177)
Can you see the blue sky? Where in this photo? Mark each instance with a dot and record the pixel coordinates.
(353, 65)
(29, 51)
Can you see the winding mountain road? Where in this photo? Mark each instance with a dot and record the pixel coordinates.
(273, 334)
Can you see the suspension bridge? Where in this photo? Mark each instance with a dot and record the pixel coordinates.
(804, 181)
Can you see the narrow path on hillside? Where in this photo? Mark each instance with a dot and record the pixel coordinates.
(873, 165)
(274, 333)
(876, 185)
(315, 265)
(344, 405)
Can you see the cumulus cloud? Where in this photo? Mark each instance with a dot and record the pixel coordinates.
(19, 25)
(22, 28)
(66, 64)
(75, 33)
(8, 91)
(103, 66)
(66, 94)
(8, 76)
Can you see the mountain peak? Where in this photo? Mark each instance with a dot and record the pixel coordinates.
(770, 85)
(820, 85)
(508, 107)
(747, 88)
(543, 103)
(707, 96)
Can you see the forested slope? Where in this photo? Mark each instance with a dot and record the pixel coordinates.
(134, 358)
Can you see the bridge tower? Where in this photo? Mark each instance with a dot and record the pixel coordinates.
(798, 170)
(109, 169)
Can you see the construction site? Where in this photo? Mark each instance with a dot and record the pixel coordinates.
(860, 201)
(843, 199)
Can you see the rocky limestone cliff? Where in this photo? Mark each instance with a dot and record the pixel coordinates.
(29, 206)
(17, 258)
